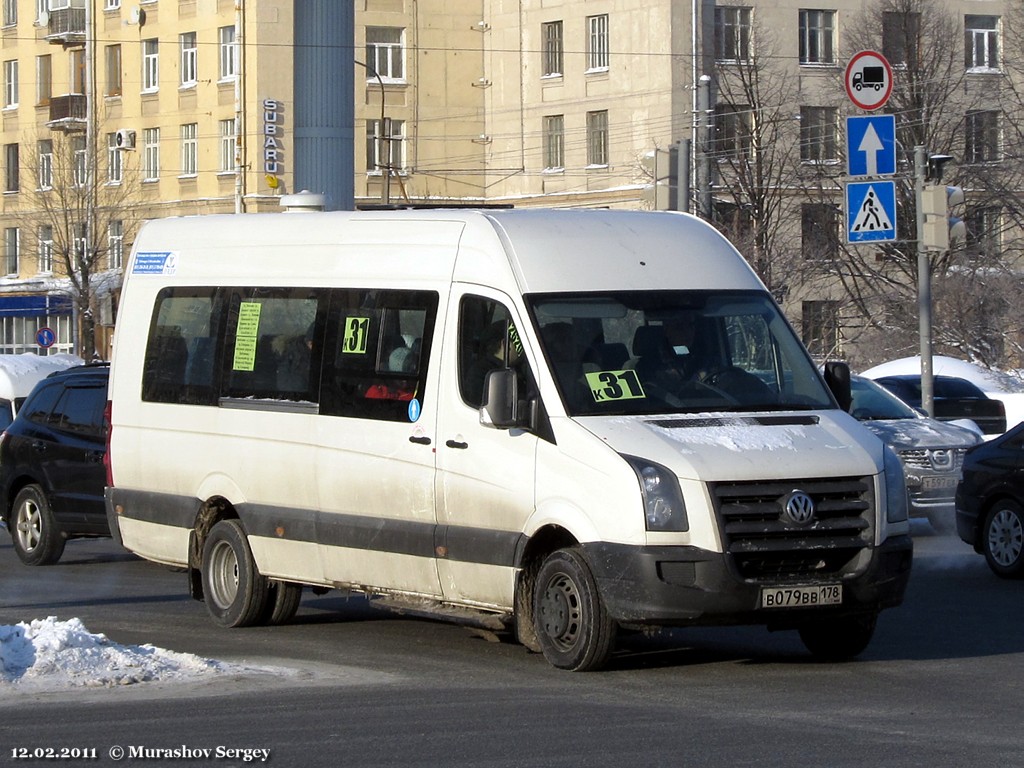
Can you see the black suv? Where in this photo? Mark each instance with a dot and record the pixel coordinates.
(52, 473)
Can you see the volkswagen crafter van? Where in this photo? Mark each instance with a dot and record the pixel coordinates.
(559, 422)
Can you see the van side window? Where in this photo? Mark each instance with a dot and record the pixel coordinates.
(376, 352)
(488, 340)
(270, 335)
(180, 362)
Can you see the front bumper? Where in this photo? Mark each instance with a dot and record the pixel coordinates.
(679, 586)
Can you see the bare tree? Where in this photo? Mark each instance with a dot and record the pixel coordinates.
(81, 199)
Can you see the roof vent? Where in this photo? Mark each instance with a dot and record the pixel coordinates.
(303, 202)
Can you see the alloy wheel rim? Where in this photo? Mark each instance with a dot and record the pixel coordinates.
(29, 526)
(1006, 538)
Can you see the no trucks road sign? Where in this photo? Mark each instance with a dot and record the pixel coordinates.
(868, 80)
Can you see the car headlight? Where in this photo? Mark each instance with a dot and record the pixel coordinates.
(895, 487)
(664, 509)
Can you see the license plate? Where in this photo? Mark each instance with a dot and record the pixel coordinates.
(801, 597)
(935, 483)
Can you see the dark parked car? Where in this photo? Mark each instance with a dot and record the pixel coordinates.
(954, 398)
(52, 474)
(931, 451)
(990, 502)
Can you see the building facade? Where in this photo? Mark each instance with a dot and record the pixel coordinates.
(121, 111)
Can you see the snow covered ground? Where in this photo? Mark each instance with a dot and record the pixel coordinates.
(50, 655)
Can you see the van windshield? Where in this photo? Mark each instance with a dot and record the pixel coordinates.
(656, 352)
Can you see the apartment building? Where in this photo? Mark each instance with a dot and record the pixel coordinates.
(194, 106)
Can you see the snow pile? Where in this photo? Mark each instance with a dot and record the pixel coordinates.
(47, 654)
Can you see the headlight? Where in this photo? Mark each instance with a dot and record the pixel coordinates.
(663, 501)
(895, 487)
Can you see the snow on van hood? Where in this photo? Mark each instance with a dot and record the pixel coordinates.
(745, 446)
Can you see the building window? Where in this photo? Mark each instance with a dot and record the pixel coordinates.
(115, 244)
(112, 58)
(395, 151)
(982, 134)
(42, 6)
(44, 261)
(10, 13)
(150, 65)
(597, 138)
(80, 166)
(80, 241)
(385, 53)
(189, 149)
(151, 154)
(553, 48)
(901, 32)
(227, 146)
(111, 5)
(817, 37)
(10, 84)
(820, 328)
(45, 164)
(554, 142)
(189, 59)
(115, 160)
(228, 52)
(732, 33)
(597, 42)
(984, 232)
(819, 231)
(733, 131)
(981, 45)
(818, 135)
(77, 56)
(44, 79)
(11, 247)
(12, 180)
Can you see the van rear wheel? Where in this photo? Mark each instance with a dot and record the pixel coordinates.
(36, 537)
(236, 594)
(282, 602)
(572, 624)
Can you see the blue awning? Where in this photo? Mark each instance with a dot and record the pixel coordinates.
(34, 306)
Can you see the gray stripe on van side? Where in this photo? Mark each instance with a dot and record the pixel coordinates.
(406, 537)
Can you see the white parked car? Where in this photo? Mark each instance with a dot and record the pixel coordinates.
(932, 451)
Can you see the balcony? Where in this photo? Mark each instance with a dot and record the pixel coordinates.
(66, 26)
(67, 113)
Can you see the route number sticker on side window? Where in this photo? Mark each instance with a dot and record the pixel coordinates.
(354, 342)
(614, 385)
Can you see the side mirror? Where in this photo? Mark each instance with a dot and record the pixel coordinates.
(500, 408)
(837, 377)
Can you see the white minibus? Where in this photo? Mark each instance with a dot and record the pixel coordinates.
(562, 423)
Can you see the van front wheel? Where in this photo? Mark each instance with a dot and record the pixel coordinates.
(235, 592)
(572, 624)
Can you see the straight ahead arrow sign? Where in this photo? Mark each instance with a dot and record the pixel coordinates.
(871, 145)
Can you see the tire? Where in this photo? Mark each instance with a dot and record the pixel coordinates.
(570, 620)
(1002, 539)
(37, 538)
(282, 602)
(839, 639)
(236, 594)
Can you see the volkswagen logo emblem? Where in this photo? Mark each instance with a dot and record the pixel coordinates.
(799, 507)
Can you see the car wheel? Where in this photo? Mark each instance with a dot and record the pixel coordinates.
(839, 639)
(1002, 538)
(282, 602)
(571, 622)
(236, 594)
(37, 538)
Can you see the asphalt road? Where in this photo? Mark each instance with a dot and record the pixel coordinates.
(353, 686)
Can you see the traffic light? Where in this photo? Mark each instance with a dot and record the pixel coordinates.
(658, 192)
(941, 228)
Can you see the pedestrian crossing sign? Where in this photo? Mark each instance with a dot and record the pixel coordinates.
(870, 211)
